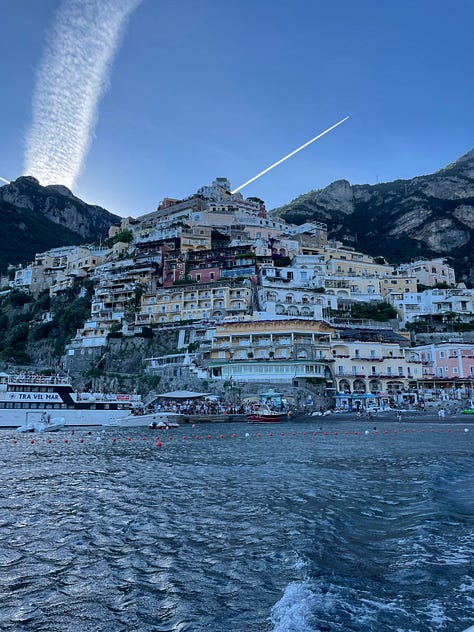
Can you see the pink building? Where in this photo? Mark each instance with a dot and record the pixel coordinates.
(430, 272)
(205, 275)
(447, 360)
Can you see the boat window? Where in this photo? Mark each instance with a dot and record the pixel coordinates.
(17, 405)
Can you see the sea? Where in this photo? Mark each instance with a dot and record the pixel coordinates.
(305, 526)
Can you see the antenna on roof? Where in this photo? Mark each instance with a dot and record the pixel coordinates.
(275, 164)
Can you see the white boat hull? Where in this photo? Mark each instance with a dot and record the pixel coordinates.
(12, 418)
(54, 425)
(143, 421)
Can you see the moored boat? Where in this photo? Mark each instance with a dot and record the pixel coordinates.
(139, 419)
(263, 415)
(163, 425)
(44, 423)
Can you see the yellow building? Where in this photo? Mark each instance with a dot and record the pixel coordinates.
(272, 351)
(210, 301)
(396, 284)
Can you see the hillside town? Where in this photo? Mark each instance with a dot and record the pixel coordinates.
(255, 300)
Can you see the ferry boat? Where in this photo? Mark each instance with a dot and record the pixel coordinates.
(22, 393)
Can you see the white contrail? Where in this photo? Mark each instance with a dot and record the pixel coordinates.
(3, 180)
(275, 164)
(71, 78)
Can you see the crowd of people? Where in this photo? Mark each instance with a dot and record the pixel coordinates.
(200, 407)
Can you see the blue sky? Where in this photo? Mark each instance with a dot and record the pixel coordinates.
(199, 90)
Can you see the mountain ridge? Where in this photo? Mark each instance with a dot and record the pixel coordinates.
(34, 218)
(426, 216)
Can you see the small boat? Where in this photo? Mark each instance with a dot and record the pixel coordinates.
(163, 425)
(44, 424)
(263, 415)
(140, 418)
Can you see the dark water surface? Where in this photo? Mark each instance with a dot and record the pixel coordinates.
(364, 531)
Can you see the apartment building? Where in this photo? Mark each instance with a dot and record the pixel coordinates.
(214, 301)
(429, 272)
(272, 351)
(413, 306)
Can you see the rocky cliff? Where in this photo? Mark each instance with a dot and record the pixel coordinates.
(34, 218)
(431, 215)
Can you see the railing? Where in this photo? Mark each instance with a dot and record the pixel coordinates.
(38, 379)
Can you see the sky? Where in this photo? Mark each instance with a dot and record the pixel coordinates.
(199, 90)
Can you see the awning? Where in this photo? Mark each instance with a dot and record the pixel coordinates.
(182, 395)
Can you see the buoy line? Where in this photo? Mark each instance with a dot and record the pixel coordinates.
(323, 433)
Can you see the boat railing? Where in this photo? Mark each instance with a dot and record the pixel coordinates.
(21, 378)
(108, 397)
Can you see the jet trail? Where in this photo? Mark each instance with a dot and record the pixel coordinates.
(275, 164)
(3, 180)
(71, 79)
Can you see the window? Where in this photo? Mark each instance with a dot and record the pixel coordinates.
(441, 354)
(455, 370)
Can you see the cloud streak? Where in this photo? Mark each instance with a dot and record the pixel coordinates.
(71, 79)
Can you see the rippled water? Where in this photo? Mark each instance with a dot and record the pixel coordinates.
(371, 531)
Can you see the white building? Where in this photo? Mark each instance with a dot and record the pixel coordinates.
(429, 272)
(412, 306)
